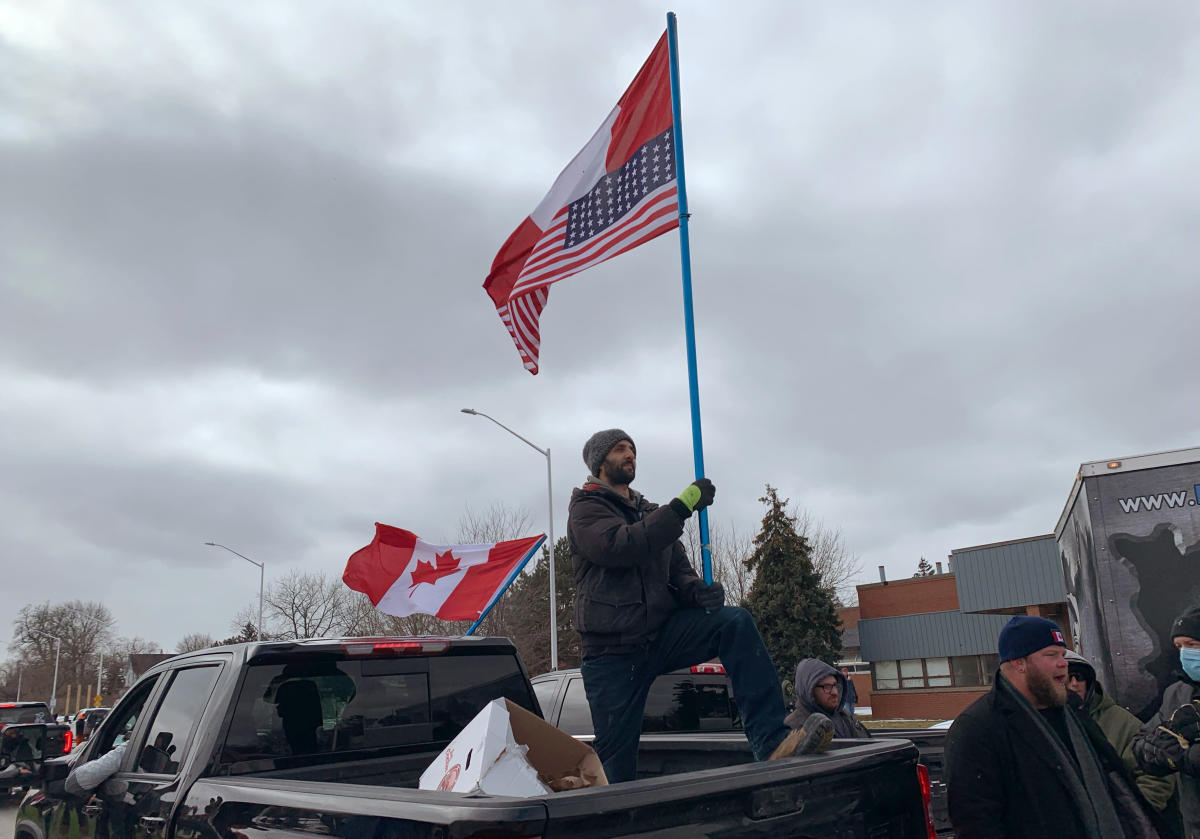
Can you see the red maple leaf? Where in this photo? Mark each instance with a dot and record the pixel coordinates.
(427, 572)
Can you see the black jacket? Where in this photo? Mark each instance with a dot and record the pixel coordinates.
(631, 570)
(1003, 779)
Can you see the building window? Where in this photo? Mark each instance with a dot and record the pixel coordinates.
(937, 672)
(885, 676)
(911, 673)
(967, 672)
(942, 672)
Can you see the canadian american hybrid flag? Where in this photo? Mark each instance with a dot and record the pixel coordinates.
(403, 575)
(618, 192)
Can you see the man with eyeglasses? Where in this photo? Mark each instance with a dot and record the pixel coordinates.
(819, 690)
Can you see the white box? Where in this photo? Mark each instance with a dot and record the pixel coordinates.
(505, 749)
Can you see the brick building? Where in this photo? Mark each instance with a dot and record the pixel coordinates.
(930, 642)
(851, 656)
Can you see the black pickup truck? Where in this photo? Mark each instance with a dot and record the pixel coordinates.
(289, 740)
(698, 702)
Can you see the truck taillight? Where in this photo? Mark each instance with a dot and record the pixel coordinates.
(68, 741)
(926, 799)
(709, 667)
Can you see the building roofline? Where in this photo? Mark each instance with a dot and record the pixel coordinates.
(900, 581)
(954, 551)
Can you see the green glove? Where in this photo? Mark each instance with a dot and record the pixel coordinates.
(698, 495)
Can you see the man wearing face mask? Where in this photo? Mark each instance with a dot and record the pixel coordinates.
(1170, 741)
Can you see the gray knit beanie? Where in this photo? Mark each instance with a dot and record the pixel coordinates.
(600, 444)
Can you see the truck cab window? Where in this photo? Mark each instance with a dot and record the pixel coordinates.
(123, 720)
(544, 691)
(176, 718)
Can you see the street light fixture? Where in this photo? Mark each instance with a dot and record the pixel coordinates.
(261, 575)
(550, 493)
(57, 651)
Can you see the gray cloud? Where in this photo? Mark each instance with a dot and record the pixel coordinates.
(941, 255)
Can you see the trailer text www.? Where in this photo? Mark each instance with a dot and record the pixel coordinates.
(1169, 500)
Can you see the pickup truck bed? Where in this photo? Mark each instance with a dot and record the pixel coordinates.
(384, 709)
(830, 796)
(698, 702)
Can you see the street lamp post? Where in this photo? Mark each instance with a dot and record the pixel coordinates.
(57, 651)
(261, 575)
(550, 494)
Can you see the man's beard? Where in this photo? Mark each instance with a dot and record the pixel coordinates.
(1044, 689)
(618, 473)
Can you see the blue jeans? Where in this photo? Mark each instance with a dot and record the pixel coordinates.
(617, 685)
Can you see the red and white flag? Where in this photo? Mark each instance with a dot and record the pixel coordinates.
(618, 192)
(405, 576)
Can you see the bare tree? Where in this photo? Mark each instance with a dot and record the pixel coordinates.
(116, 660)
(496, 524)
(729, 550)
(837, 567)
(76, 632)
(195, 641)
(301, 605)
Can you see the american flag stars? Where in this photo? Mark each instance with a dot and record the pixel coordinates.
(620, 192)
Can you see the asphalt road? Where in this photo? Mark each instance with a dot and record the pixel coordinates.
(8, 820)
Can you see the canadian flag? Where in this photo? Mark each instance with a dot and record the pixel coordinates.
(403, 575)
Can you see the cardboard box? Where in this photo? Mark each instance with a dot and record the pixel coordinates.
(507, 750)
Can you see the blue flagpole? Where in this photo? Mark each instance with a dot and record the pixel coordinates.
(500, 592)
(685, 258)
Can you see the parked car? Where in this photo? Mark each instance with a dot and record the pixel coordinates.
(210, 755)
(87, 721)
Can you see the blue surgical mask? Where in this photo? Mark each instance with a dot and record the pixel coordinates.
(1189, 659)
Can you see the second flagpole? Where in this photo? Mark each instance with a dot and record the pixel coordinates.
(685, 258)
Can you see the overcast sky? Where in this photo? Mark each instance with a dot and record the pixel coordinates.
(942, 254)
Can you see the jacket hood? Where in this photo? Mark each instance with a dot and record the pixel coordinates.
(1095, 693)
(808, 673)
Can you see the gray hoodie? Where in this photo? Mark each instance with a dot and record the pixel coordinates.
(808, 672)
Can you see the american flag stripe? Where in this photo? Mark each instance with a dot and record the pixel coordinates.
(554, 265)
(551, 246)
(619, 192)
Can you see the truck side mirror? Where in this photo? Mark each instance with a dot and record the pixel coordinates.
(22, 744)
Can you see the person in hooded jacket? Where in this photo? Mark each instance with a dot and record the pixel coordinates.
(819, 690)
(1119, 725)
(1169, 743)
(641, 611)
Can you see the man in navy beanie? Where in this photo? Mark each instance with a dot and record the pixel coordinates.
(1019, 763)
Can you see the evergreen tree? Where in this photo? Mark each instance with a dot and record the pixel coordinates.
(528, 612)
(924, 569)
(248, 632)
(795, 614)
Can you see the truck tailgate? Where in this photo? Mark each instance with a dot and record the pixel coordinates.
(868, 790)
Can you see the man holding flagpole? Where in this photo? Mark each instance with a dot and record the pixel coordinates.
(642, 611)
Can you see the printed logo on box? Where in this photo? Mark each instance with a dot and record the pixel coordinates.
(450, 777)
